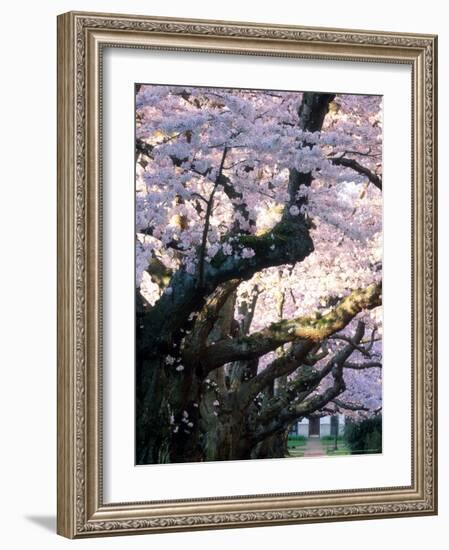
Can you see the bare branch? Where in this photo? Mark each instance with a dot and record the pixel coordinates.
(362, 366)
(349, 406)
(210, 204)
(373, 339)
(361, 349)
(303, 408)
(281, 366)
(359, 168)
(360, 153)
(307, 381)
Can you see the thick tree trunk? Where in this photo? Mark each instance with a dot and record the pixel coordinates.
(274, 446)
(152, 414)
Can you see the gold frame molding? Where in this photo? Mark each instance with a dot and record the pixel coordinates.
(81, 37)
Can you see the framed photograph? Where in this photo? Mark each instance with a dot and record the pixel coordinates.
(246, 274)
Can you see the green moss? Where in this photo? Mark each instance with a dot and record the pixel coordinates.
(284, 232)
(323, 321)
(259, 243)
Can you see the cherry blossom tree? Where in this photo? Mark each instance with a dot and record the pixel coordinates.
(258, 267)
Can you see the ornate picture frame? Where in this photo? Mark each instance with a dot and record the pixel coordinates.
(82, 39)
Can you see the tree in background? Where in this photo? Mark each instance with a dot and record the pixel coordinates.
(364, 435)
(258, 265)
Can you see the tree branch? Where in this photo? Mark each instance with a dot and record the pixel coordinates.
(304, 408)
(362, 366)
(359, 168)
(311, 113)
(349, 406)
(306, 383)
(297, 357)
(210, 205)
(234, 196)
(282, 366)
(309, 329)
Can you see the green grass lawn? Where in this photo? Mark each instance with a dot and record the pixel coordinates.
(341, 450)
(328, 442)
(331, 439)
(296, 441)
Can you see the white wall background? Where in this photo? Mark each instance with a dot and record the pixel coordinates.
(28, 275)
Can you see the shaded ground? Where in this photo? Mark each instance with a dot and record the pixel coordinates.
(295, 453)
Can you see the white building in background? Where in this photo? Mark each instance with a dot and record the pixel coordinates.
(319, 426)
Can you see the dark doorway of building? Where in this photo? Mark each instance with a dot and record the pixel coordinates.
(334, 426)
(314, 427)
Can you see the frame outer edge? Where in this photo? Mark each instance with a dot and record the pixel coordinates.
(66, 288)
(74, 483)
(435, 269)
